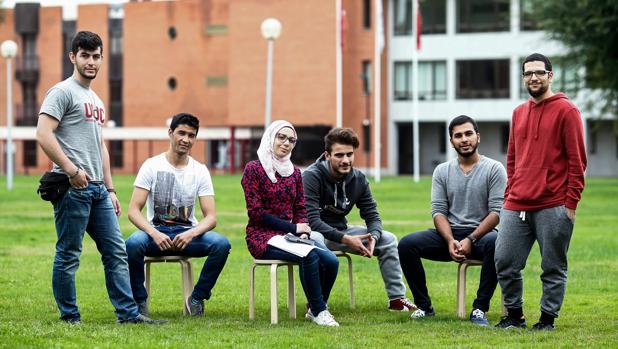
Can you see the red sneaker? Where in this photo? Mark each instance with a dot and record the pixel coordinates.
(401, 304)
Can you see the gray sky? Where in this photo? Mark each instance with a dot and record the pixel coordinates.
(69, 10)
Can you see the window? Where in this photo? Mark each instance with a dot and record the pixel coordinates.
(402, 17)
(402, 73)
(483, 79)
(116, 153)
(431, 82)
(504, 139)
(172, 33)
(483, 16)
(367, 14)
(593, 141)
(29, 159)
(366, 76)
(172, 83)
(115, 90)
(442, 139)
(566, 77)
(433, 14)
(527, 20)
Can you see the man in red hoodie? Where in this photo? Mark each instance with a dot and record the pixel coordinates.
(546, 161)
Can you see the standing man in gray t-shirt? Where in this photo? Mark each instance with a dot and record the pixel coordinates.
(466, 198)
(69, 131)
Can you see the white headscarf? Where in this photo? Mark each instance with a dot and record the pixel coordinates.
(270, 162)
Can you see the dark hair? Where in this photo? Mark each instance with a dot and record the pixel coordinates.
(340, 135)
(460, 120)
(537, 57)
(86, 40)
(185, 119)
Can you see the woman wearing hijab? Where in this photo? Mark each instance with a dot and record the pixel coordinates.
(276, 206)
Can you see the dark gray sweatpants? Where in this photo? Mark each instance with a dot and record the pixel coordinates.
(552, 228)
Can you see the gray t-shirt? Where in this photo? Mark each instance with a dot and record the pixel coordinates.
(466, 199)
(80, 113)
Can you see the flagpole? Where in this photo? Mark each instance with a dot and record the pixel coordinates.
(379, 44)
(415, 121)
(338, 64)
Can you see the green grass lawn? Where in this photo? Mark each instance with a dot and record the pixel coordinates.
(29, 318)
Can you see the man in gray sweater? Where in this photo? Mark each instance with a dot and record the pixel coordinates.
(466, 198)
(332, 188)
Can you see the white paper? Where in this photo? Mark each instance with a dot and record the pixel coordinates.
(299, 249)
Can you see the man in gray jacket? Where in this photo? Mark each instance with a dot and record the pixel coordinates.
(332, 188)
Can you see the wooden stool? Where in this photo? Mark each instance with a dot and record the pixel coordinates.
(461, 286)
(186, 268)
(341, 254)
(274, 264)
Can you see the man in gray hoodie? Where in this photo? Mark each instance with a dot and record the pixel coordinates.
(332, 188)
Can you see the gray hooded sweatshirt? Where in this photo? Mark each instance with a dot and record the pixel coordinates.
(328, 201)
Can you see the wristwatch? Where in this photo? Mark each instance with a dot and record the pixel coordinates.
(472, 238)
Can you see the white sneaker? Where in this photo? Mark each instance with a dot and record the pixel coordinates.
(419, 313)
(325, 318)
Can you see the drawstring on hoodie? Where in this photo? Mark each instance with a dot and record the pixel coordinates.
(522, 215)
(538, 120)
(345, 198)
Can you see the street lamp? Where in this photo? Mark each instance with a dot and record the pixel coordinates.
(8, 51)
(271, 29)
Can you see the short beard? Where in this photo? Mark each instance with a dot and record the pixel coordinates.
(86, 76)
(538, 93)
(469, 154)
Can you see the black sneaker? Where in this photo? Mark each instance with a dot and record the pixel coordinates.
(141, 319)
(73, 321)
(194, 309)
(142, 308)
(508, 323)
(541, 326)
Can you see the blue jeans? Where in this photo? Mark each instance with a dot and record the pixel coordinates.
(90, 210)
(210, 244)
(318, 272)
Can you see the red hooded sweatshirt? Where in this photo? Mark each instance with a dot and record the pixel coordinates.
(546, 157)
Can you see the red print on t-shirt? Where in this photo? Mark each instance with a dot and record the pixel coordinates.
(94, 113)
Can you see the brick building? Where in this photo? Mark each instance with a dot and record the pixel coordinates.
(205, 57)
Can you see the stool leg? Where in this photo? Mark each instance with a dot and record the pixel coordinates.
(274, 319)
(291, 293)
(252, 292)
(504, 312)
(351, 280)
(147, 282)
(186, 283)
(461, 290)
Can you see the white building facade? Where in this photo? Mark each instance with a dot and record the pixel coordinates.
(470, 63)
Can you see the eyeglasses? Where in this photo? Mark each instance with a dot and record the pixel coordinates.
(282, 138)
(538, 73)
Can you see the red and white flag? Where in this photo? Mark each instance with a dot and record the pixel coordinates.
(419, 25)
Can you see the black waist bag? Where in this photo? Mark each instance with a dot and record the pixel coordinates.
(53, 185)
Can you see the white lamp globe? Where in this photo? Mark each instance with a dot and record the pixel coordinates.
(271, 28)
(8, 49)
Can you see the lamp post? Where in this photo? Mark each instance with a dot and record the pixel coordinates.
(271, 29)
(8, 51)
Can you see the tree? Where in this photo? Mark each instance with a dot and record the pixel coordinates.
(590, 29)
